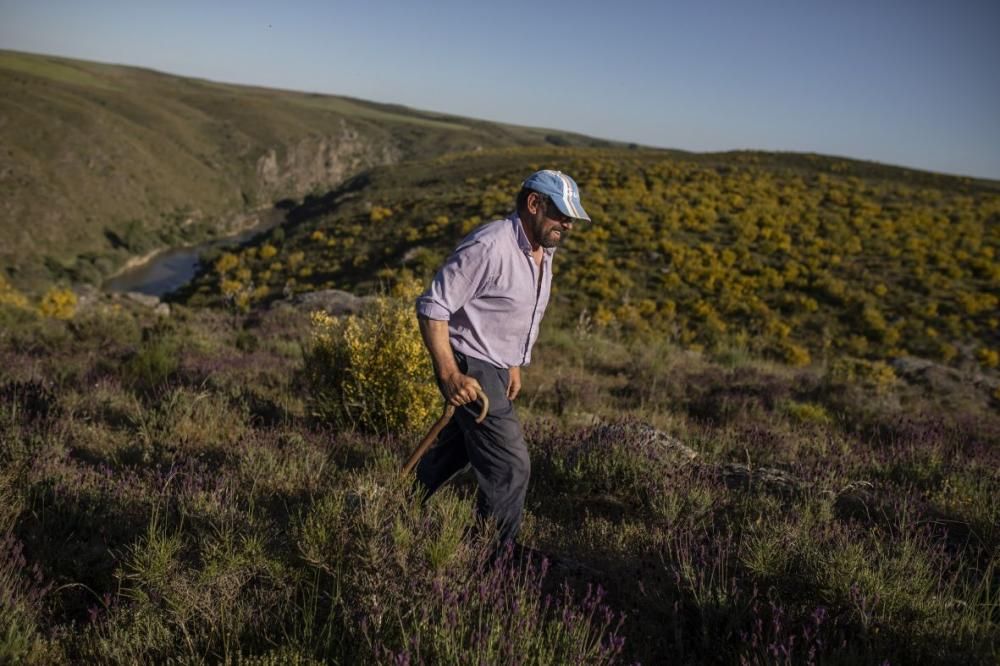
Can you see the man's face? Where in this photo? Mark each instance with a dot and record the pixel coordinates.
(550, 223)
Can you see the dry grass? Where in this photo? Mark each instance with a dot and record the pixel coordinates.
(204, 517)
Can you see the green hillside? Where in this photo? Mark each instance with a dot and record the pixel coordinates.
(734, 458)
(170, 496)
(800, 258)
(103, 162)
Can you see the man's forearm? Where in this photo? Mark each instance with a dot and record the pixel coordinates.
(458, 388)
(435, 335)
(514, 383)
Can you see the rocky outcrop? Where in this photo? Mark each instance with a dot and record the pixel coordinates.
(772, 479)
(641, 438)
(319, 163)
(152, 302)
(332, 301)
(940, 378)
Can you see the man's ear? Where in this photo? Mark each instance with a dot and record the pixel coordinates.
(535, 202)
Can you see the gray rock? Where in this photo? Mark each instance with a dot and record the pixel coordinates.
(143, 299)
(855, 500)
(643, 437)
(911, 365)
(772, 479)
(941, 378)
(332, 301)
(87, 297)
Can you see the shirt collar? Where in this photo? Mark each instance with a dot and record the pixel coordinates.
(522, 238)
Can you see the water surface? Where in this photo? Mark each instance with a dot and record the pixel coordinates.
(173, 268)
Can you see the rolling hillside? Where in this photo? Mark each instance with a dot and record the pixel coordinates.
(101, 162)
(762, 413)
(800, 258)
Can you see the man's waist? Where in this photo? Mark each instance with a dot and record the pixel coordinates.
(464, 348)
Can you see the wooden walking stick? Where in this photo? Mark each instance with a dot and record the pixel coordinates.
(449, 411)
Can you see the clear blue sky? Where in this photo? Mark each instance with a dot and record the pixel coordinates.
(915, 83)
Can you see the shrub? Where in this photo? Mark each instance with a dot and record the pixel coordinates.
(407, 584)
(58, 303)
(875, 375)
(990, 358)
(267, 251)
(807, 412)
(227, 262)
(379, 213)
(21, 592)
(11, 296)
(154, 363)
(371, 371)
(795, 355)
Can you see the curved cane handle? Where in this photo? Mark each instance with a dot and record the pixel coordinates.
(481, 395)
(449, 411)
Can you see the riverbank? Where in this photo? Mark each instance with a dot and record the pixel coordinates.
(166, 269)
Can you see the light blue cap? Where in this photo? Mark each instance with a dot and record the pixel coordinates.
(561, 189)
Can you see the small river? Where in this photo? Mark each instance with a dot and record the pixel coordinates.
(172, 268)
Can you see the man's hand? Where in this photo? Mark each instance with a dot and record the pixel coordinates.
(514, 385)
(459, 389)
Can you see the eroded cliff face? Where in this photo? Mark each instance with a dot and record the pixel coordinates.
(318, 164)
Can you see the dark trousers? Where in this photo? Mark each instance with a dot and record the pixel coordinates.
(495, 449)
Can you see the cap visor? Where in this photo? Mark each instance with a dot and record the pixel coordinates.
(576, 211)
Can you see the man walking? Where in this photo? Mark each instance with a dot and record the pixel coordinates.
(479, 319)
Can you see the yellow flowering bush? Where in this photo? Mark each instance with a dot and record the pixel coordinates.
(261, 292)
(372, 372)
(11, 296)
(876, 375)
(58, 303)
(379, 213)
(227, 262)
(795, 355)
(807, 412)
(990, 358)
(230, 287)
(833, 259)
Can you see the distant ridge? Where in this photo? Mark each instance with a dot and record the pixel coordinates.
(857, 167)
(105, 162)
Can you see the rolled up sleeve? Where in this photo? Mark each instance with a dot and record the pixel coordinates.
(457, 283)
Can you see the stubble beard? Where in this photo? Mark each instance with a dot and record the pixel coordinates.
(551, 241)
(550, 238)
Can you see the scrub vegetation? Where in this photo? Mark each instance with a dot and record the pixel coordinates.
(764, 420)
(105, 163)
(795, 258)
(169, 495)
(351, 385)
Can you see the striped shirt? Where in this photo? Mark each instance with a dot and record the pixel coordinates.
(492, 294)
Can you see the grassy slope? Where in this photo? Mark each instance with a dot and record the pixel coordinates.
(159, 159)
(167, 496)
(798, 257)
